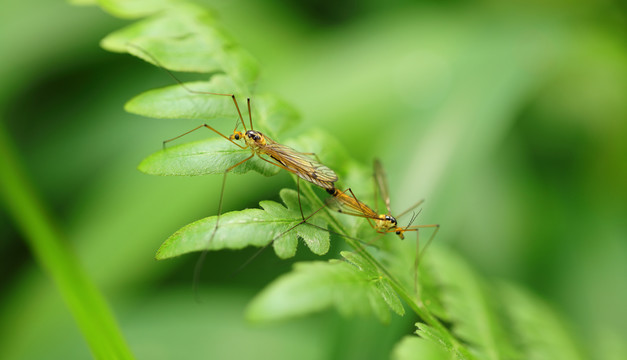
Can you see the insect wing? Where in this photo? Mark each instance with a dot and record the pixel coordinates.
(301, 165)
(347, 204)
(382, 183)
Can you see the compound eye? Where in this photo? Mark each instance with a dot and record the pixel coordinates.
(236, 136)
(398, 232)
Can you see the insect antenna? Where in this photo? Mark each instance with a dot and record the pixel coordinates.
(413, 218)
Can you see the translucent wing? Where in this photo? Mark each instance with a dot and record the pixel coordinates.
(300, 164)
(382, 183)
(348, 204)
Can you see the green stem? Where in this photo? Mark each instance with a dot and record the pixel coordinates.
(86, 303)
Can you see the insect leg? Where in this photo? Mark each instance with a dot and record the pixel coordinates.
(201, 259)
(199, 127)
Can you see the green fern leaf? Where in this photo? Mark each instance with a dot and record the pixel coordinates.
(270, 114)
(411, 347)
(175, 102)
(251, 227)
(538, 329)
(473, 309)
(444, 340)
(211, 156)
(315, 286)
(133, 9)
(185, 38)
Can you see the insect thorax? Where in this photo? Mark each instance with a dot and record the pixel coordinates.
(255, 138)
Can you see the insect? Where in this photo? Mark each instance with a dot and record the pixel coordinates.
(382, 223)
(347, 203)
(300, 164)
(297, 163)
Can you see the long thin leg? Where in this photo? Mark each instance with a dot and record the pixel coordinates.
(222, 194)
(411, 208)
(416, 259)
(159, 65)
(304, 221)
(314, 155)
(419, 253)
(300, 206)
(437, 228)
(201, 259)
(279, 165)
(262, 249)
(359, 203)
(250, 116)
(199, 127)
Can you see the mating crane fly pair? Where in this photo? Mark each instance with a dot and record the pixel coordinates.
(306, 168)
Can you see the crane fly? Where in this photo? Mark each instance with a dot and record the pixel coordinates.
(346, 202)
(382, 223)
(300, 164)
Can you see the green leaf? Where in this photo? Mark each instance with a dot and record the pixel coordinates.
(130, 9)
(315, 286)
(412, 347)
(251, 227)
(83, 2)
(390, 297)
(187, 38)
(443, 340)
(359, 261)
(169, 25)
(383, 285)
(82, 297)
(273, 116)
(211, 156)
(175, 102)
(182, 53)
(270, 114)
(539, 330)
(473, 309)
(502, 322)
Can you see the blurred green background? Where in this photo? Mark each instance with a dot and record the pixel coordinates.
(510, 119)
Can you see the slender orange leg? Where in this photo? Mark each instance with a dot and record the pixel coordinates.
(159, 65)
(199, 127)
(277, 164)
(250, 116)
(411, 208)
(314, 155)
(362, 209)
(419, 253)
(300, 206)
(201, 259)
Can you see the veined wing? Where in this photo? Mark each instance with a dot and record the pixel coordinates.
(348, 204)
(382, 183)
(300, 164)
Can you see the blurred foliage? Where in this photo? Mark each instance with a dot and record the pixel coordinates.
(508, 118)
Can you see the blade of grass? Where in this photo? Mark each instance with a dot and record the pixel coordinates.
(88, 306)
